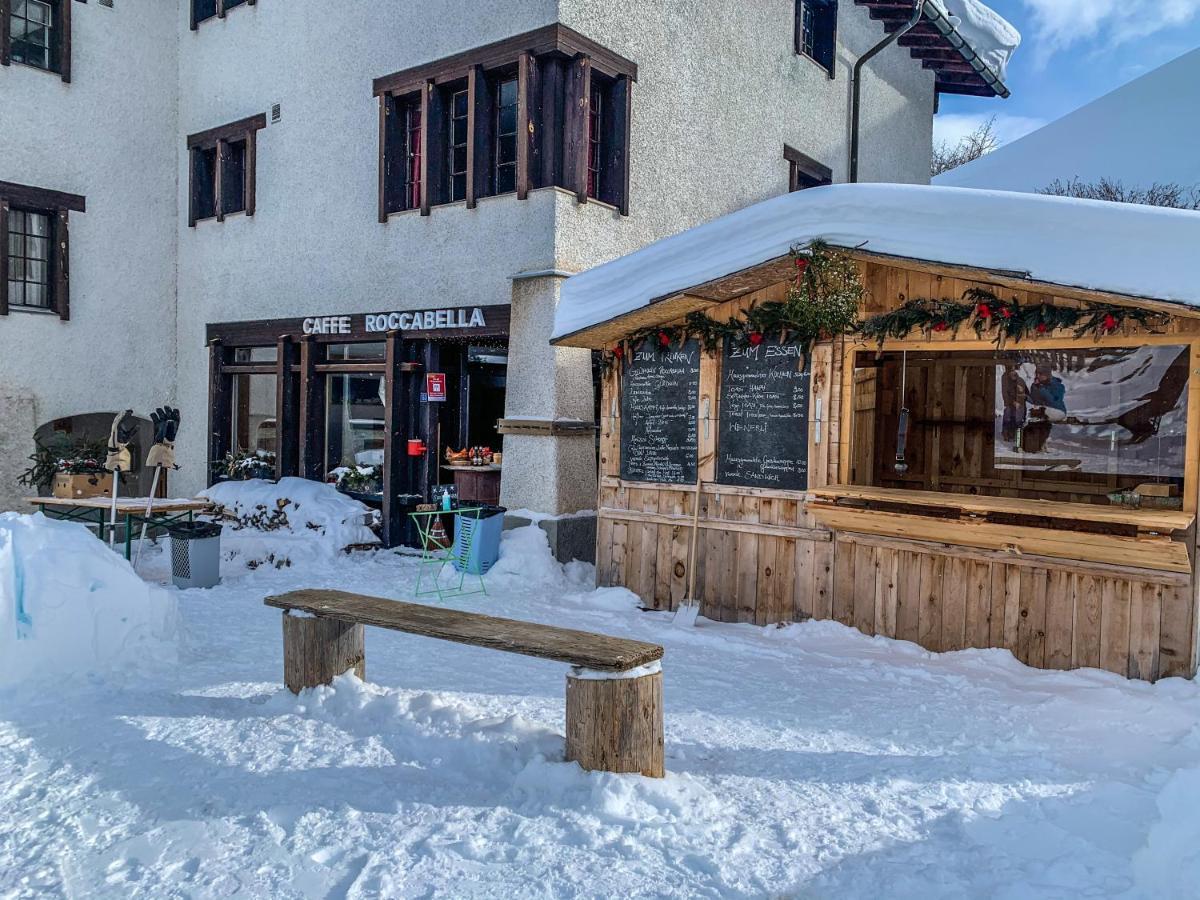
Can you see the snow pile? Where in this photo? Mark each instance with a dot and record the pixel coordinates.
(1141, 251)
(990, 35)
(1171, 857)
(70, 605)
(1138, 135)
(294, 509)
(526, 561)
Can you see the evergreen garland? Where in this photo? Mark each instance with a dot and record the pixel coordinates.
(1005, 320)
(821, 302)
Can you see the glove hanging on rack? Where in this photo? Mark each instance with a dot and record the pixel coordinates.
(166, 427)
(124, 429)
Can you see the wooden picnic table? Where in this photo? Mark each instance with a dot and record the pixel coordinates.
(131, 512)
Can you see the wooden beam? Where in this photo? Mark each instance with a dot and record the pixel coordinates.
(428, 167)
(527, 84)
(396, 401)
(64, 46)
(576, 105)
(3, 257)
(475, 158)
(251, 173)
(62, 265)
(234, 131)
(41, 198)
(312, 411)
(220, 407)
(287, 408)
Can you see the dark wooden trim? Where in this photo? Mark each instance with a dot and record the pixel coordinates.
(576, 103)
(220, 406)
(64, 44)
(395, 407)
(266, 332)
(62, 265)
(482, 130)
(219, 179)
(387, 105)
(550, 137)
(251, 173)
(803, 164)
(5, 27)
(554, 38)
(474, 76)
(426, 150)
(287, 408)
(312, 411)
(525, 87)
(617, 124)
(233, 131)
(427, 422)
(220, 9)
(3, 257)
(41, 198)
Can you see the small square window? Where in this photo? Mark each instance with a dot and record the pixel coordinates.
(816, 32)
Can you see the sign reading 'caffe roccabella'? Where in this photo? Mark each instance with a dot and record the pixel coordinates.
(418, 320)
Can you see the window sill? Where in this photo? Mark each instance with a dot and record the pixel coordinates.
(32, 310)
(831, 74)
(1149, 548)
(34, 68)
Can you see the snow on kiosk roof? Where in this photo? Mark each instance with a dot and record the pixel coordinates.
(1137, 251)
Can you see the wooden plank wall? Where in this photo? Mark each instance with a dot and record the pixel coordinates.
(1050, 615)
(761, 557)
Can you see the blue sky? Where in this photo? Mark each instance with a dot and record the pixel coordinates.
(1073, 51)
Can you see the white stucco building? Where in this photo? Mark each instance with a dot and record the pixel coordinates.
(532, 139)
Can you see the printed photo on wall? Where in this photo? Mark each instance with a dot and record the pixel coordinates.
(1094, 410)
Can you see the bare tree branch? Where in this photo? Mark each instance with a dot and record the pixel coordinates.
(980, 142)
(1169, 194)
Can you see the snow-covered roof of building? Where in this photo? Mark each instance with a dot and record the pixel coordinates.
(1144, 132)
(1138, 251)
(989, 34)
(950, 33)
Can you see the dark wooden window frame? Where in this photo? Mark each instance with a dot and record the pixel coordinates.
(804, 171)
(218, 140)
(57, 205)
(63, 47)
(824, 50)
(222, 7)
(554, 67)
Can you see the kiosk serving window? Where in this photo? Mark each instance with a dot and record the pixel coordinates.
(1081, 423)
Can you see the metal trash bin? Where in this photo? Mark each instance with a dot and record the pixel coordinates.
(477, 539)
(195, 554)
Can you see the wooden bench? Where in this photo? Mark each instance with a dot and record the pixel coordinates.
(614, 690)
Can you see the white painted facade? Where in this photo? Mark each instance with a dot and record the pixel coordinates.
(719, 92)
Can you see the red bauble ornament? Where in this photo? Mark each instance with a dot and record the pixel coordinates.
(619, 352)
(1006, 312)
(940, 326)
(1041, 328)
(1110, 322)
(983, 311)
(756, 338)
(801, 263)
(664, 339)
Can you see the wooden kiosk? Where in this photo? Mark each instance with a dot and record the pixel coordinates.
(987, 460)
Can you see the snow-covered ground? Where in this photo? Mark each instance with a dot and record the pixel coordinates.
(803, 761)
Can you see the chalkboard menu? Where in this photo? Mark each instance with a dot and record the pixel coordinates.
(659, 394)
(763, 431)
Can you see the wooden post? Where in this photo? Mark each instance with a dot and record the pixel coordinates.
(615, 722)
(316, 651)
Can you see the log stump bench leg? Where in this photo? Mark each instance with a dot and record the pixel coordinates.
(317, 650)
(615, 720)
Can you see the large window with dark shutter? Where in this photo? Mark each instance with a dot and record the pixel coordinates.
(548, 108)
(36, 33)
(35, 249)
(222, 170)
(816, 32)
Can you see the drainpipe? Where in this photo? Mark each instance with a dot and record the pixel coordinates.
(856, 79)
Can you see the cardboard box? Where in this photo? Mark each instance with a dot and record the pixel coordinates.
(79, 487)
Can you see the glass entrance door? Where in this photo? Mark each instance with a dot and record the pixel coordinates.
(354, 423)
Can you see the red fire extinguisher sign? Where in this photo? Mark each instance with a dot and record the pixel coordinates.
(435, 386)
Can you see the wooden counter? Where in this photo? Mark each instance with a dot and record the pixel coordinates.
(1150, 548)
(477, 484)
